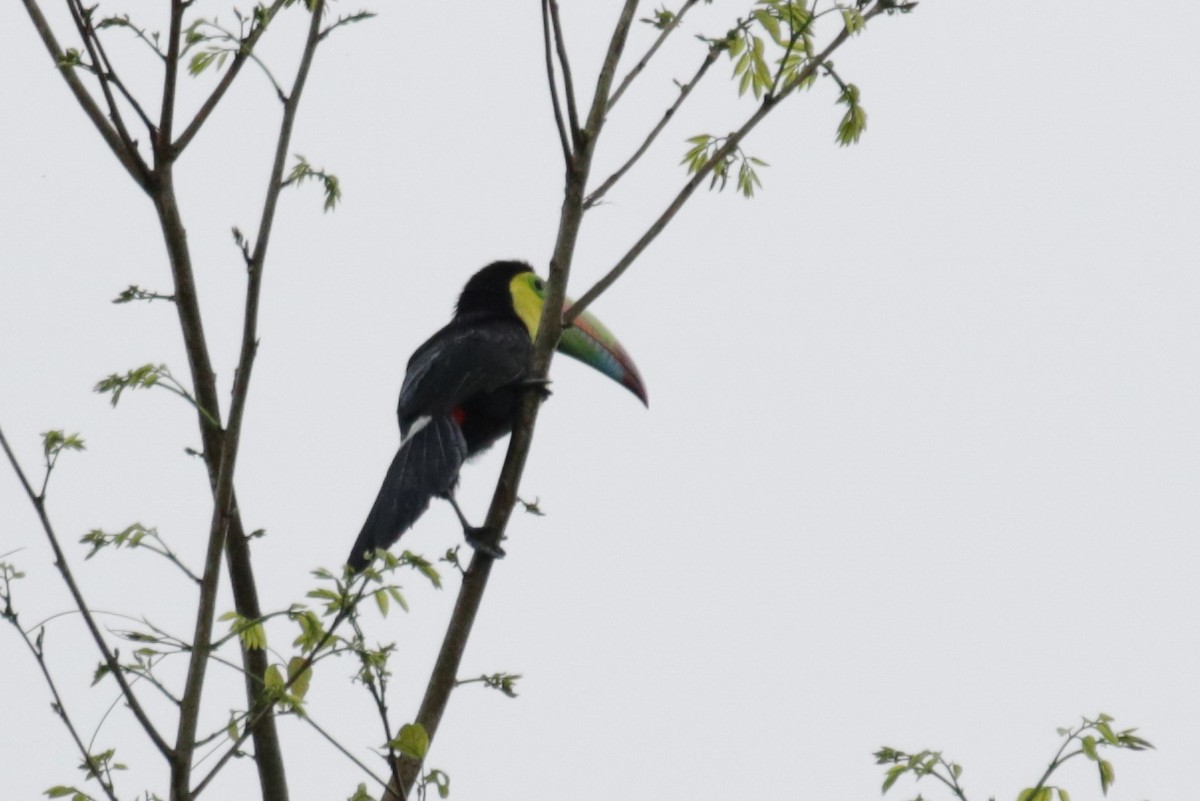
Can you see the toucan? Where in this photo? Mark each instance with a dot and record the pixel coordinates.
(461, 391)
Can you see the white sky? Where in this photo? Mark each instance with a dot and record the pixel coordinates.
(920, 466)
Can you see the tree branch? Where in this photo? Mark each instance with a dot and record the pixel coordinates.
(560, 47)
(61, 711)
(563, 137)
(470, 594)
(60, 561)
(667, 30)
(599, 192)
(243, 55)
(768, 103)
(138, 170)
(106, 74)
(166, 120)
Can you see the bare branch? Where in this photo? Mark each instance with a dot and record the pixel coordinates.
(560, 124)
(560, 47)
(166, 120)
(599, 192)
(106, 74)
(60, 709)
(60, 561)
(667, 30)
(130, 160)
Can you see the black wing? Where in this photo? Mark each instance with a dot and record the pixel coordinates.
(466, 358)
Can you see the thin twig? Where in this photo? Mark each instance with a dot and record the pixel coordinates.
(667, 30)
(342, 749)
(714, 51)
(106, 72)
(559, 122)
(245, 50)
(83, 24)
(131, 160)
(261, 713)
(560, 47)
(61, 710)
(60, 561)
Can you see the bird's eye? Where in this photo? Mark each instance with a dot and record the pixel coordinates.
(538, 285)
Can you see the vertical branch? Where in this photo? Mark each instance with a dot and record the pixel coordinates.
(563, 137)
(560, 47)
(470, 594)
(273, 777)
(166, 119)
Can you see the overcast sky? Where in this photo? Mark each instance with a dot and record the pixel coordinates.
(920, 466)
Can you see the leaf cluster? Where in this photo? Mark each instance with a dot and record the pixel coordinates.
(303, 171)
(785, 24)
(706, 146)
(1089, 738)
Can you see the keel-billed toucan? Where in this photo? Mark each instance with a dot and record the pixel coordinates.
(461, 391)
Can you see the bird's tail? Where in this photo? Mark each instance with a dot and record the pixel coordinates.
(426, 465)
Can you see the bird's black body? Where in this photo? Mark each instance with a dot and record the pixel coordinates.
(459, 396)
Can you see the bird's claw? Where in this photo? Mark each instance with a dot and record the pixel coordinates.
(484, 539)
(542, 385)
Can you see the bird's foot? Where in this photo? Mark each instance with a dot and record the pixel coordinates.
(485, 540)
(542, 385)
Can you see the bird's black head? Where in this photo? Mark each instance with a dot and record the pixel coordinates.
(490, 290)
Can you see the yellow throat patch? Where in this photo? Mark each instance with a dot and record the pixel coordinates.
(528, 297)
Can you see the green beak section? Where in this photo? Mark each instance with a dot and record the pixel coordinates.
(591, 343)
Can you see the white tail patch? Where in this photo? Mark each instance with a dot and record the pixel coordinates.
(416, 426)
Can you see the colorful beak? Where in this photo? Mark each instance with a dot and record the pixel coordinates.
(591, 343)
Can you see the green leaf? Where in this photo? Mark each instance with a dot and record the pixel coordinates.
(273, 679)
(1089, 747)
(770, 24)
(361, 794)
(893, 774)
(398, 597)
(55, 442)
(1107, 733)
(412, 741)
(201, 61)
(381, 600)
(300, 682)
(440, 779)
(1063, 795)
(1107, 775)
(853, 19)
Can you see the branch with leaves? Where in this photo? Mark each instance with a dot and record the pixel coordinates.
(1091, 738)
